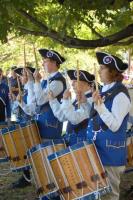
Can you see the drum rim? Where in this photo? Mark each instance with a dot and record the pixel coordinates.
(18, 169)
(63, 152)
(7, 129)
(26, 123)
(45, 145)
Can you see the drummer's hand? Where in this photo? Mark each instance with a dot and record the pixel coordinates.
(97, 98)
(67, 94)
(37, 76)
(50, 95)
(12, 96)
(19, 98)
(29, 74)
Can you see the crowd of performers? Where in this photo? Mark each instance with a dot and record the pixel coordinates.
(98, 114)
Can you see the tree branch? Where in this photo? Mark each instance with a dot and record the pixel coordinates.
(76, 42)
(92, 29)
(124, 43)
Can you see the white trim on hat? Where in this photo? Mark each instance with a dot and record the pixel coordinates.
(80, 72)
(113, 60)
(55, 54)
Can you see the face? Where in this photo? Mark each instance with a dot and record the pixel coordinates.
(104, 74)
(49, 65)
(83, 86)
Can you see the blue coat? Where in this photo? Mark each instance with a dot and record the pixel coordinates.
(110, 146)
(76, 133)
(49, 125)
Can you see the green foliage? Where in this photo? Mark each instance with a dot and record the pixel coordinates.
(66, 18)
(85, 19)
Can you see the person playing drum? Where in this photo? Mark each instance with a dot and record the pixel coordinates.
(25, 104)
(109, 116)
(50, 127)
(68, 111)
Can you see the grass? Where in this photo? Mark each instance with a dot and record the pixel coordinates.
(29, 193)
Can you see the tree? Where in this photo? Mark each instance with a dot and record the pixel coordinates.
(79, 24)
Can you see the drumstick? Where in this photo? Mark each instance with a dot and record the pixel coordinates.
(78, 82)
(9, 85)
(35, 56)
(47, 76)
(96, 77)
(96, 80)
(24, 56)
(19, 89)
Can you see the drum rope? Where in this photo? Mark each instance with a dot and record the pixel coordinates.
(25, 145)
(30, 135)
(53, 176)
(7, 152)
(43, 162)
(38, 131)
(38, 182)
(77, 168)
(13, 142)
(23, 138)
(27, 162)
(33, 134)
(95, 169)
(15, 148)
(48, 166)
(62, 172)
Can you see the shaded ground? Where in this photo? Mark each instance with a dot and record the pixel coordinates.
(29, 192)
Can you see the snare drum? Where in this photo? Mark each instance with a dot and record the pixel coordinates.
(79, 172)
(17, 140)
(3, 155)
(44, 179)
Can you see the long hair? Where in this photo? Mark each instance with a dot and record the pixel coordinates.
(114, 75)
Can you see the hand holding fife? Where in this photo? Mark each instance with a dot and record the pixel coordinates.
(97, 98)
(29, 74)
(19, 98)
(12, 97)
(37, 76)
(67, 94)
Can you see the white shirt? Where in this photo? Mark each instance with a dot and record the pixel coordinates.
(66, 111)
(120, 108)
(30, 107)
(130, 120)
(42, 94)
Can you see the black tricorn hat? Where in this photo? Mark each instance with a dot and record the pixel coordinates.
(111, 61)
(54, 55)
(19, 70)
(83, 75)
